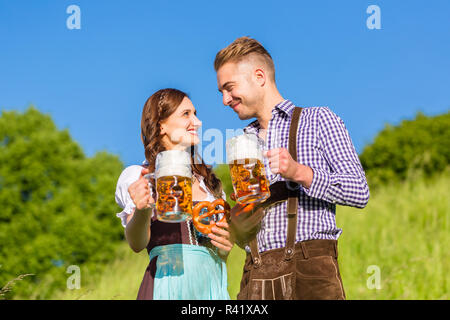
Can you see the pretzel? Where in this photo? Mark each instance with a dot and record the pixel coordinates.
(197, 218)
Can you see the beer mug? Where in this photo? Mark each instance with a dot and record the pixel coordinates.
(204, 212)
(245, 159)
(173, 177)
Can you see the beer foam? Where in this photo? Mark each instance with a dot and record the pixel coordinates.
(183, 171)
(173, 163)
(246, 146)
(240, 154)
(173, 157)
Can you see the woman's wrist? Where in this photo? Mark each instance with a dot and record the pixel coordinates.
(223, 254)
(143, 215)
(144, 211)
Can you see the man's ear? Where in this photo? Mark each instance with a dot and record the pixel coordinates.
(260, 77)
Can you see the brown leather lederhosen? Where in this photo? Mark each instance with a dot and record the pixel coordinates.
(273, 274)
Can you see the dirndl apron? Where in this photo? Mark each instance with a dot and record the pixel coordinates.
(183, 265)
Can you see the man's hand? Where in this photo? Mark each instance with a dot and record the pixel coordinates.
(245, 222)
(281, 162)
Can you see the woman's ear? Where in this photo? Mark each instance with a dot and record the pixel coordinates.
(162, 129)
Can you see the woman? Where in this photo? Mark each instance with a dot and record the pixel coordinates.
(182, 264)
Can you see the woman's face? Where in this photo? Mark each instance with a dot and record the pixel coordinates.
(179, 130)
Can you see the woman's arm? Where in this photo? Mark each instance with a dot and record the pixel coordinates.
(137, 230)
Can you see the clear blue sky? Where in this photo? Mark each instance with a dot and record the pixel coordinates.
(95, 80)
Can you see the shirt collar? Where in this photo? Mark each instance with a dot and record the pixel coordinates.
(200, 178)
(286, 106)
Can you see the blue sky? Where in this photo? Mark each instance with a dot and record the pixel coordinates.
(94, 81)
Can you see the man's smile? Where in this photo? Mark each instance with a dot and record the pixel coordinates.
(233, 106)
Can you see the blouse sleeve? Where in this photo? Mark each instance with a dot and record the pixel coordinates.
(123, 199)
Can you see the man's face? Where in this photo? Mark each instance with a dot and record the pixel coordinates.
(239, 89)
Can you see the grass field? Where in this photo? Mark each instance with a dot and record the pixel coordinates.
(400, 240)
(404, 231)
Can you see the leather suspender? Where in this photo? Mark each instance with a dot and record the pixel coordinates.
(292, 190)
(292, 208)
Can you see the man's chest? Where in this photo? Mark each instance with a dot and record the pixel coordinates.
(309, 146)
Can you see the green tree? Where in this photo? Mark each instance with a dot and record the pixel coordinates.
(57, 205)
(414, 147)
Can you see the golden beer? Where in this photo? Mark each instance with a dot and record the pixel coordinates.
(173, 186)
(249, 180)
(174, 201)
(248, 176)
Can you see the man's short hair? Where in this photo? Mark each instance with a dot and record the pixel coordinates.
(242, 48)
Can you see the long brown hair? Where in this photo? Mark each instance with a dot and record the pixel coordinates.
(157, 108)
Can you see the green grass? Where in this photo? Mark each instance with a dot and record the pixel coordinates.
(124, 275)
(404, 231)
(119, 281)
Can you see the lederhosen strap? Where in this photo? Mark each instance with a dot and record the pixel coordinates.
(279, 192)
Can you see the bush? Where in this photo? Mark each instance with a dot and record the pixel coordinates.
(415, 147)
(57, 205)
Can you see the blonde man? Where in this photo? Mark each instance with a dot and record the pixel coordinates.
(300, 263)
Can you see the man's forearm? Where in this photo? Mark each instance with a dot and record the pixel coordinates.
(343, 189)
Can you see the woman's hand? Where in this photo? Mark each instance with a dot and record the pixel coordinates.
(220, 237)
(140, 192)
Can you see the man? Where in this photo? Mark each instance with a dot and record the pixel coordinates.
(327, 172)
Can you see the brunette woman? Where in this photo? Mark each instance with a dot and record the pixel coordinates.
(183, 264)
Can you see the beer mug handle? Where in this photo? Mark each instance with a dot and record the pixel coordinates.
(197, 218)
(149, 176)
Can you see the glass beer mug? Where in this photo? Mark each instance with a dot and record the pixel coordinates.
(245, 159)
(173, 176)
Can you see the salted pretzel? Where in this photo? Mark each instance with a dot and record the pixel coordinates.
(211, 206)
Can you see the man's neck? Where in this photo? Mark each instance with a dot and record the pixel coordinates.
(270, 101)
